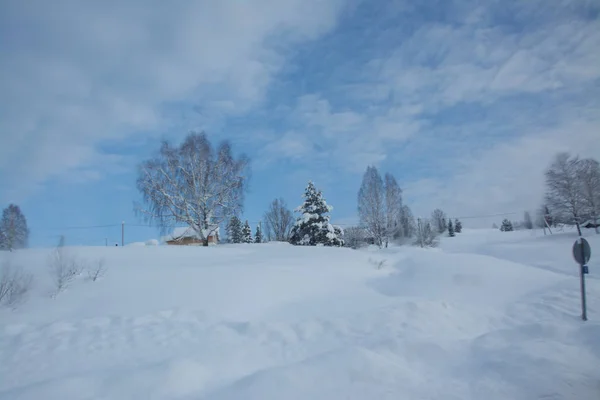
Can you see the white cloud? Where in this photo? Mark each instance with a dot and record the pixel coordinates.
(73, 74)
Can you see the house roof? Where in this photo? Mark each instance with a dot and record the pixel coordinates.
(184, 232)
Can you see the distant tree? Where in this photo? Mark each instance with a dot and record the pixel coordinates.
(494, 226)
(450, 228)
(278, 221)
(527, 222)
(355, 237)
(589, 180)
(14, 233)
(192, 184)
(312, 227)
(426, 235)
(407, 222)
(234, 230)
(258, 235)
(393, 208)
(563, 189)
(247, 233)
(371, 205)
(506, 226)
(438, 219)
(457, 226)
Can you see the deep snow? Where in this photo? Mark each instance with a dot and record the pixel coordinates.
(486, 315)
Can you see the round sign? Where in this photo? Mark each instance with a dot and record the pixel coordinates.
(582, 251)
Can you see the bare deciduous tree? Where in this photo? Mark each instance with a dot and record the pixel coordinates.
(14, 233)
(278, 221)
(426, 235)
(563, 190)
(193, 184)
(438, 219)
(371, 205)
(393, 208)
(355, 237)
(589, 180)
(407, 221)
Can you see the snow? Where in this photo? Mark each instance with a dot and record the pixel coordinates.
(488, 314)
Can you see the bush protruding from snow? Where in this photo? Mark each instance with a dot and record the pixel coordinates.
(506, 226)
(14, 284)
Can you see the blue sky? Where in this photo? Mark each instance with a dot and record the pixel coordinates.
(465, 102)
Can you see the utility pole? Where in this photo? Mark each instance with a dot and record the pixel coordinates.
(106, 242)
(122, 233)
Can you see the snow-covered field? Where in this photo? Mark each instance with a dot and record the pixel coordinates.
(487, 315)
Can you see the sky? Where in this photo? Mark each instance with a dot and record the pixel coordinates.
(465, 102)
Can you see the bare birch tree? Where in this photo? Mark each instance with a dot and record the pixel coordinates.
(278, 221)
(438, 219)
(393, 208)
(563, 190)
(371, 205)
(589, 180)
(193, 184)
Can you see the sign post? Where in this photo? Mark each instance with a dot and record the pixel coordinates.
(582, 254)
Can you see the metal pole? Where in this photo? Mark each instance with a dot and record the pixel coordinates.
(582, 278)
(122, 233)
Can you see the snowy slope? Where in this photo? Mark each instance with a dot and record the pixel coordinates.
(487, 315)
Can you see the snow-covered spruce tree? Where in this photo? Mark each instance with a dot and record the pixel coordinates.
(312, 227)
(506, 226)
(234, 230)
(450, 228)
(527, 221)
(457, 226)
(247, 233)
(258, 235)
(14, 233)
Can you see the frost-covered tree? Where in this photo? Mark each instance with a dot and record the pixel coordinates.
(312, 227)
(438, 219)
(589, 181)
(247, 233)
(371, 205)
(407, 222)
(494, 226)
(450, 228)
(426, 235)
(457, 226)
(14, 233)
(393, 208)
(355, 237)
(527, 221)
(234, 230)
(563, 189)
(507, 226)
(278, 221)
(258, 238)
(192, 184)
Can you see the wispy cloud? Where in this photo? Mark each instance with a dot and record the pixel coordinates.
(74, 74)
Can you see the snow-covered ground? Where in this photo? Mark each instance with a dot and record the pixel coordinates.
(487, 315)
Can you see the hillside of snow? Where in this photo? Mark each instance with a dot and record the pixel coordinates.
(487, 315)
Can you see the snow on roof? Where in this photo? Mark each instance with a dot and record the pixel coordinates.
(184, 231)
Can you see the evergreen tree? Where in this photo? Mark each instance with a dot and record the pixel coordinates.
(312, 226)
(457, 226)
(450, 228)
(258, 235)
(247, 233)
(14, 233)
(506, 226)
(234, 230)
